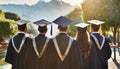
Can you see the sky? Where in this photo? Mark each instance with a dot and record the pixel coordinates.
(33, 2)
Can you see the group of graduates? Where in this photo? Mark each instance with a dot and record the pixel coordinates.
(86, 51)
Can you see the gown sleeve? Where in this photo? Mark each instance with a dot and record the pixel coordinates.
(9, 54)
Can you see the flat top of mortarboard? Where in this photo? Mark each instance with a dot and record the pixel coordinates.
(62, 21)
(21, 22)
(82, 25)
(96, 22)
(42, 23)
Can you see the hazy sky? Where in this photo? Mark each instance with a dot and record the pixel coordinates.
(33, 2)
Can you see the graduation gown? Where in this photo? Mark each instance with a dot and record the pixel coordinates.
(102, 49)
(17, 50)
(36, 57)
(91, 62)
(62, 54)
(93, 59)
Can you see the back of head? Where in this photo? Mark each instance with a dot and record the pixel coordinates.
(82, 30)
(61, 28)
(42, 29)
(62, 23)
(83, 37)
(95, 27)
(42, 25)
(22, 27)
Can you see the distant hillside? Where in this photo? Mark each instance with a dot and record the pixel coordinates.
(47, 10)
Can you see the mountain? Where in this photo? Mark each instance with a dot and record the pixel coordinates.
(42, 10)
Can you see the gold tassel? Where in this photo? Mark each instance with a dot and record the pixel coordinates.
(100, 30)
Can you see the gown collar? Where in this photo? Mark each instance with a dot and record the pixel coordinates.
(63, 32)
(95, 33)
(22, 32)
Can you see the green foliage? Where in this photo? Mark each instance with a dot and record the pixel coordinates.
(76, 16)
(115, 13)
(12, 16)
(7, 28)
(94, 9)
(2, 16)
(2, 60)
(105, 10)
(31, 29)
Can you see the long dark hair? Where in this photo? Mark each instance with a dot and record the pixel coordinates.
(83, 39)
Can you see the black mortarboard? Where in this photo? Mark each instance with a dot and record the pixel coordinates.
(42, 23)
(62, 21)
(21, 24)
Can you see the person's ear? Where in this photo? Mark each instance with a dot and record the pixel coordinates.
(25, 30)
(46, 31)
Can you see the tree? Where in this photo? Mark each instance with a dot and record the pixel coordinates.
(7, 29)
(31, 30)
(96, 9)
(12, 16)
(105, 10)
(76, 17)
(2, 16)
(7, 26)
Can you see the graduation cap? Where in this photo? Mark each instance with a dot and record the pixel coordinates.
(42, 23)
(21, 22)
(96, 22)
(96, 25)
(62, 21)
(81, 25)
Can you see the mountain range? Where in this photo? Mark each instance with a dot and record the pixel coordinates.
(41, 10)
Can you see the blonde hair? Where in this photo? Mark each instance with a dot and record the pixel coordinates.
(100, 30)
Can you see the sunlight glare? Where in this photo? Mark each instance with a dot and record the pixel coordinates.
(74, 2)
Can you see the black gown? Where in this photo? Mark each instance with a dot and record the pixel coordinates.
(14, 57)
(93, 59)
(36, 57)
(103, 49)
(58, 59)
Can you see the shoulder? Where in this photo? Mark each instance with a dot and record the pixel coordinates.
(106, 40)
(28, 38)
(91, 37)
(50, 41)
(10, 40)
(75, 44)
(73, 40)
